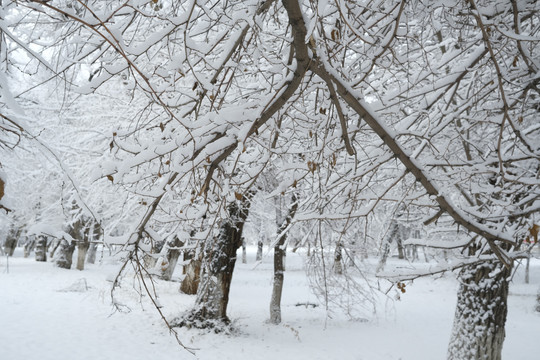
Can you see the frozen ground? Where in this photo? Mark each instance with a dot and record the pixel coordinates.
(51, 313)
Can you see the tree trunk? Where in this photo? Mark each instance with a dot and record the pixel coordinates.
(29, 245)
(65, 254)
(279, 265)
(478, 331)
(171, 257)
(11, 241)
(338, 257)
(190, 284)
(393, 233)
(219, 260)
(41, 248)
(537, 308)
(277, 287)
(91, 255)
(244, 254)
(527, 266)
(258, 257)
(82, 250)
(401, 252)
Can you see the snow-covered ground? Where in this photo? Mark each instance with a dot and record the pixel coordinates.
(51, 313)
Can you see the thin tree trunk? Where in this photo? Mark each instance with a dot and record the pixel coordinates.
(91, 255)
(244, 254)
(478, 331)
(401, 253)
(95, 235)
(392, 234)
(279, 266)
(527, 265)
(258, 257)
(338, 257)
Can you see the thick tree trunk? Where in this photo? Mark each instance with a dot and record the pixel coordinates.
(219, 260)
(10, 244)
(190, 284)
(173, 250)
(478, 331)
(29, 245)
(82, 250)
(41, 248)
(279, 263)
(65, 254)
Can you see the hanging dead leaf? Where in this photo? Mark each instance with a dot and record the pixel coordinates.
(534, 230)
(335, 34)
(322, 111)
(294, 183)
(110, 177)
(311, 166)
(238, 196)
(195, 86)
(2, 184)
(162, 127)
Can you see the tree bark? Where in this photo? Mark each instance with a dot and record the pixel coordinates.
(190, 284)
(11, 241)
(41, 248)
(91, 255)
(219, 260)
(338, 260)
(65, 254)
(478, 331)
(172, 254)
(279, 266)
(82, 250)
(244, 254)
(258, 257)
(29, 245)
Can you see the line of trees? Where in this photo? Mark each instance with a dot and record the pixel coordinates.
(352, 109)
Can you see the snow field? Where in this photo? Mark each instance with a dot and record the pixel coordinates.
(50, 313)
